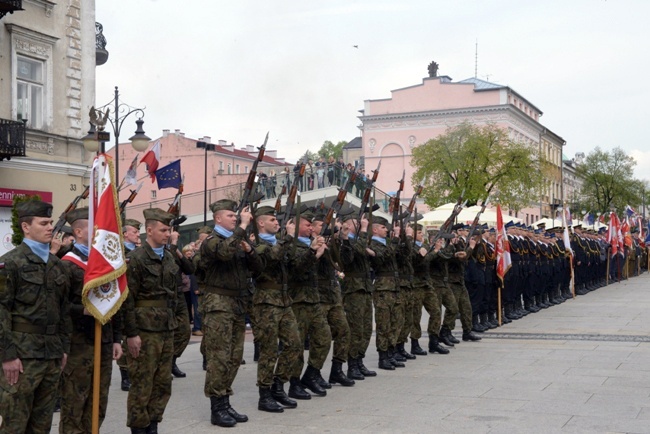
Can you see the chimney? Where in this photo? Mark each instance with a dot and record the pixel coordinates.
(223, 143)
(272, 153)
(250, 148)
(207, 139)
(165, 133)
(177, 132)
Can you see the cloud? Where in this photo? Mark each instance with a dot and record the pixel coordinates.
(642, 163)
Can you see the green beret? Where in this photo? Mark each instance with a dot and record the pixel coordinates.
(132, 222)
(419, 227)
(77, 214)
(319, 217)
(377, 220)
(205, 230)
(66, 230)
(265, 210)
(350, 216)
(223, 205)
(159, 215)
(33, 208)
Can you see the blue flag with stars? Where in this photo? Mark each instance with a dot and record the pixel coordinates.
(169, 176)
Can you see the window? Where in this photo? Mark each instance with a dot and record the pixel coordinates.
(229, 169)
(29, 91)
(245, 169)
(154, 194)
(220, 165)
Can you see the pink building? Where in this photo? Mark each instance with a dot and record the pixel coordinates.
(392, 127)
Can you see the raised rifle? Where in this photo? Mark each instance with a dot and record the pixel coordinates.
(366, 194)
(291, 199)
(251, 182)
(71, 206)
(129, 199)
(445, 229)
(476, 219)
(338, 203)
(175, 208)
(278, 201)
(395, 201)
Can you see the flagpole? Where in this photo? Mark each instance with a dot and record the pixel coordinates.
(96, 376)
(607, 276)
(499, 302)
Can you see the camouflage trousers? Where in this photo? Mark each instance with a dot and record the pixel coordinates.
(311, 321)
(121, 362)
(224, 329)
(464, 307)
(414, 328)
(182, 335)
(385, 318)
(27, 406)
(276, 324)
(77, 388)
(407, 296)
(398, 323)
(447, 299)
(340, 330)
(431, 303)
(358, 310)
(151, 379)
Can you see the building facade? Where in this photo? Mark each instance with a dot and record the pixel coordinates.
(47, 86)
(392, 127)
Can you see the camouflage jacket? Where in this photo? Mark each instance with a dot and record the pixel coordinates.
(303, 279)
(356, 265)
(153, 294)
(329, 289)
(421, 264)
(271, 284)
(438, 267)
(456, 268)
(33, 298)
(226, 268)
(83, 326)
(185, 266)
(384, 265)
(404, 257)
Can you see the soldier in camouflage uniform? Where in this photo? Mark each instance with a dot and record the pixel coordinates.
(438, 270)
(406, 294)
(149, 323)
(304, 253)
(227, 261)
(203, 233)
(77, 378)
(331, 302)
(382, 260)
(131, 235)
(357, 289)
(276, 321)
(34, 324)
(183, 332)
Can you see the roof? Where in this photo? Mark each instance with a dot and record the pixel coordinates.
(353, 144)
(482, 84)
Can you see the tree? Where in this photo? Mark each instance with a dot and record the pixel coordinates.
(481, 161)
(308, 155)
(330, 149)
(609, 180)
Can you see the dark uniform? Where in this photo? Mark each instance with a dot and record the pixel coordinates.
(34, 329)
(150, 313)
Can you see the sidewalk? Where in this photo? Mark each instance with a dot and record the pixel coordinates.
(582, 366)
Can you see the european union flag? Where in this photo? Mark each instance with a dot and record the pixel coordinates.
(169, 176)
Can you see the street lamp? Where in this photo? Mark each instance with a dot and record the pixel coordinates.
(207, 147)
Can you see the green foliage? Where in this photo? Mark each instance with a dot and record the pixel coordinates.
(481, 161)
(609, 180)
(329, 149)
(17, 235)
(308, 155)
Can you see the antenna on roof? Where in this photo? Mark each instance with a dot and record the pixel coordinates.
(476, 59)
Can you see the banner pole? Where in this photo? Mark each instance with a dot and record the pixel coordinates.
(499, 302)
(96, 375)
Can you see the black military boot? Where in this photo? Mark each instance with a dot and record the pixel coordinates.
(548, 297)
(338, 376)
(233, 413)
(444, 337)
(219, 410)
(393, 354)
(520, 308)
(310, 381)
(541, 302)
(391, 358)
(324, 384)
(126, 383)
(139, 430)
(452, 338)
(353, 370)
(267, 403)
(256, 351)
(476, 325)
(493, 320)
(485, 321)
(510, 314)
(404, 353)
(278, 393)
(365, 371)
(384, 363)
(416, 348)
(504, 318)
(296, 390)
(153, 427)
(177, 372)
(435, 347)
(470, 336)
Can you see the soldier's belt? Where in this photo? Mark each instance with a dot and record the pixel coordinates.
(222, 291)
(151, 303)
(24, 327)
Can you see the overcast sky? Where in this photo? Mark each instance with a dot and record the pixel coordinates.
(234, 70)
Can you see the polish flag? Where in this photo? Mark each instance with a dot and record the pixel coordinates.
(152, 160)
(504, 262)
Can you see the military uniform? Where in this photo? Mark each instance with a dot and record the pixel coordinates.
(439, 273)
(183, 332)
(150, 313)
(406, 299)
(34, 328)
(456, 274)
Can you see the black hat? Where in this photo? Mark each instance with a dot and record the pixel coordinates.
(132, 222)
(77, 214)
(159, 215)
(457, 226)
(33, 208)
(223, 205)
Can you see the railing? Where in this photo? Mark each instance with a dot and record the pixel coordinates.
(12, 139)
(9, 6)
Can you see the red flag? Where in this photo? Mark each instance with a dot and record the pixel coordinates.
(504, 262)
(152, 160)
(105, 286)
(615, 237)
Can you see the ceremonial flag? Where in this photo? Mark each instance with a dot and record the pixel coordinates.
(601, 219)
(169, 176)
(629, 211)
(504, 262)
(130, 177)
(615, 238)
(105, 286)
(152, 160)
(565, 236)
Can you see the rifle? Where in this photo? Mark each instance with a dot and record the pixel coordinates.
(366, 194)
(175, 208)
(129, 199)
(338, 203)
(409, 210)
(446, 226)
(278, 201)
(61, 222)
(291, 199)
(476, 219)
(396, 201)
(252, 179)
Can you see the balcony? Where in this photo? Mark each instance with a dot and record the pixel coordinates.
(9, 6)
(12, 139)
(101, 53)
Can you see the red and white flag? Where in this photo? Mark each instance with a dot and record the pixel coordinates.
(504, 262)
(152, 160)
(615, 236)
(105, 286)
